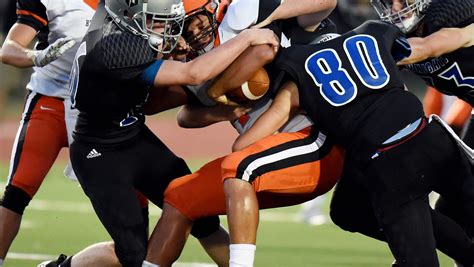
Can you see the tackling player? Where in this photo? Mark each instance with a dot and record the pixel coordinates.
(113, 152)
(441, 36)
(47, 120)
(355, 98)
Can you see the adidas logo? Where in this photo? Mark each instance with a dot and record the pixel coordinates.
(93, 154)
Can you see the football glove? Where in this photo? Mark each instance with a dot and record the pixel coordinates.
(42, 58)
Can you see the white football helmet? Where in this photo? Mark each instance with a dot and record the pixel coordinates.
(158, 21)
(406, 14)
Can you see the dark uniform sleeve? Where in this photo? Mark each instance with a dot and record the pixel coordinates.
(265, 8)
(448, 13)
(32, 13)
(282, 71)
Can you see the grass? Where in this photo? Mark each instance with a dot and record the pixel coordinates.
(60, 220)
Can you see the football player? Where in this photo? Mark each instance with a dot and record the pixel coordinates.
(113, 152)
(351, 87)
(441, 36)
(202, 194)
(47, 120)
(243, 239)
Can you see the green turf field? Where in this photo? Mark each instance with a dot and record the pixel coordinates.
(60, 220)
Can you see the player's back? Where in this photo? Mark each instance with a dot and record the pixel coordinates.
(451, 73)
(351, 85)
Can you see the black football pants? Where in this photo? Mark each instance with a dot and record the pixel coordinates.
(109, 175)
(388, 199)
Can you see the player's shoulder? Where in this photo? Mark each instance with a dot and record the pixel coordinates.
(117, 48)
(377, 27)
(448, 13)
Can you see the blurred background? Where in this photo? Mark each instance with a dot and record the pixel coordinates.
(61, 220)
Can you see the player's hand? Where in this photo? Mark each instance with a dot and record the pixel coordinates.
(264, 36)
(223, 99)
(232, 113)
(181, 50)
(42, 58)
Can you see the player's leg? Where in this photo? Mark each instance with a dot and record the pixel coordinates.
(107, 179)
(351, 210)
(100, 254)
(351, 207)
(40, 137)
(255, 169)
(399, 181)
(187, 199)
(157, 177)
(242, 212)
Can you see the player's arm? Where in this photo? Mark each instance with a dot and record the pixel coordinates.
(165, 98)
(209, 65)
(197, 116)
(285, 103)
(441, 42)
(31, 19)
(240, 71)
(308, 12)
(14, 49)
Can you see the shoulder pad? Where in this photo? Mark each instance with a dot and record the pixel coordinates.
(377, 27)
(448, 13)
(123, 49)
(241, 14)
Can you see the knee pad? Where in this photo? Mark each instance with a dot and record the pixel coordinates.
(205, 227)
(15, 199)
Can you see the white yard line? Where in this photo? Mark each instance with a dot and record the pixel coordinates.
(83, 207)
(86, 208)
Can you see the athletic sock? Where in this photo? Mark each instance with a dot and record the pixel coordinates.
(242, 255)
(149, 264)
(1, 262)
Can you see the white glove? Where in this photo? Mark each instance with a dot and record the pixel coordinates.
(42, 58)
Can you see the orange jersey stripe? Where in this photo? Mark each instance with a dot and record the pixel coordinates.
(28, 13)
(92, 3)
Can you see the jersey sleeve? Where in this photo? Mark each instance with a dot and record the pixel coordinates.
(147, 75)
(32, 13)
(401, 48)
(265, 8)
(282, 72)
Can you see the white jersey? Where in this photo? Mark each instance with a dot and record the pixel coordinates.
(54, 19)
(295, 124)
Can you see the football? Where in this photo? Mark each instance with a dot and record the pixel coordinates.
(253, 89)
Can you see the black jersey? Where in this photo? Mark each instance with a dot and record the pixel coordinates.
(452, 73)
(350, 85)
(106, 83)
